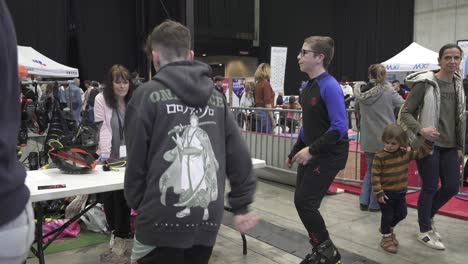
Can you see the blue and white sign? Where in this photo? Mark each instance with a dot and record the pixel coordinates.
(464, 46)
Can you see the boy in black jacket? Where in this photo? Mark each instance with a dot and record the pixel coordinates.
(182, 142)
(321, 149)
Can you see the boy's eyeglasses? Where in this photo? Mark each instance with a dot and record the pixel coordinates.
(303, 52)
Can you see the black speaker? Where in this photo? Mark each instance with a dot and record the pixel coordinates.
(43, 158)
(33, 160)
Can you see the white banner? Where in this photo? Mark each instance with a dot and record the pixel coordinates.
(278, 67)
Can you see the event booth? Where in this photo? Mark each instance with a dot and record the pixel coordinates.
(32, 62)
(36, 63)
(413, 58)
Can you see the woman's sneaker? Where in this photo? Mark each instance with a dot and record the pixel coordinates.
(429, 239)
(434, 230)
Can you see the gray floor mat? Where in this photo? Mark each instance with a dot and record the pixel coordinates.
(290, 241)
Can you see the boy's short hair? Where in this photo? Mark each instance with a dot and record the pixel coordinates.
(394, 131)
(324, 45)
(172, 39)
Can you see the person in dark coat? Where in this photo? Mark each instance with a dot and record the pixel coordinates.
(17, 217)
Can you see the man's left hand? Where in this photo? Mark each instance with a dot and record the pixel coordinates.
(246, 221)
(302, 157)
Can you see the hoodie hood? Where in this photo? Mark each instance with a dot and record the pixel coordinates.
(428, 77)
(371, 92)
(189, 80)
(424, 76)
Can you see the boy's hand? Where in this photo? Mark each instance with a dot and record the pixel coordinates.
(302, 157)
(382, 199)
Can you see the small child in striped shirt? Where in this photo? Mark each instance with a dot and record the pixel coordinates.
(390, 180)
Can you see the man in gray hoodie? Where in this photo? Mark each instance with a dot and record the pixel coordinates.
(182, 142)
(16, 218)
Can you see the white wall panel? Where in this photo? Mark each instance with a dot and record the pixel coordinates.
(437, 22)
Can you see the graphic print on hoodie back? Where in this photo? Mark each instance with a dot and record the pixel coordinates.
(192, 173)
(182, 142)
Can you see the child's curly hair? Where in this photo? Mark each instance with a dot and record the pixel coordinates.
(394, 131)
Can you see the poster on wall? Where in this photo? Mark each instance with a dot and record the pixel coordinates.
(464, 46)
(278, 67)
(237, 90)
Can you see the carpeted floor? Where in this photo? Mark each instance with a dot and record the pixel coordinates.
(84, 239)
(456, 207)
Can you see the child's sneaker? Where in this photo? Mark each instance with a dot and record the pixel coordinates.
(395, 241)
(388, 245)
(429, 239)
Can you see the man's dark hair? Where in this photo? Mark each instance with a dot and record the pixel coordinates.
(87, 82)
(395, 81)
(171, 39)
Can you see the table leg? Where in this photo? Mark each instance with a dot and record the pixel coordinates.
(39, 239)
(244, 239)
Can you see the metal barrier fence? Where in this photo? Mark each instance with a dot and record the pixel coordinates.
(270, 135)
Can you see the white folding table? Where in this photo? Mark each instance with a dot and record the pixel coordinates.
(96, 181)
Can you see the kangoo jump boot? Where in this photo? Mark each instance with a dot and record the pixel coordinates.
(325, 253)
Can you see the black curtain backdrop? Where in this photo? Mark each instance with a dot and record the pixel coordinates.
(42, 25)
(104, 35)
(150, 13)
(286, 25)
(365, 32)
(224, 27)
(92, 35)
(114, 32)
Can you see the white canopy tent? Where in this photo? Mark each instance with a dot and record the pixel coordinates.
(38, 64)
(413, 58)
